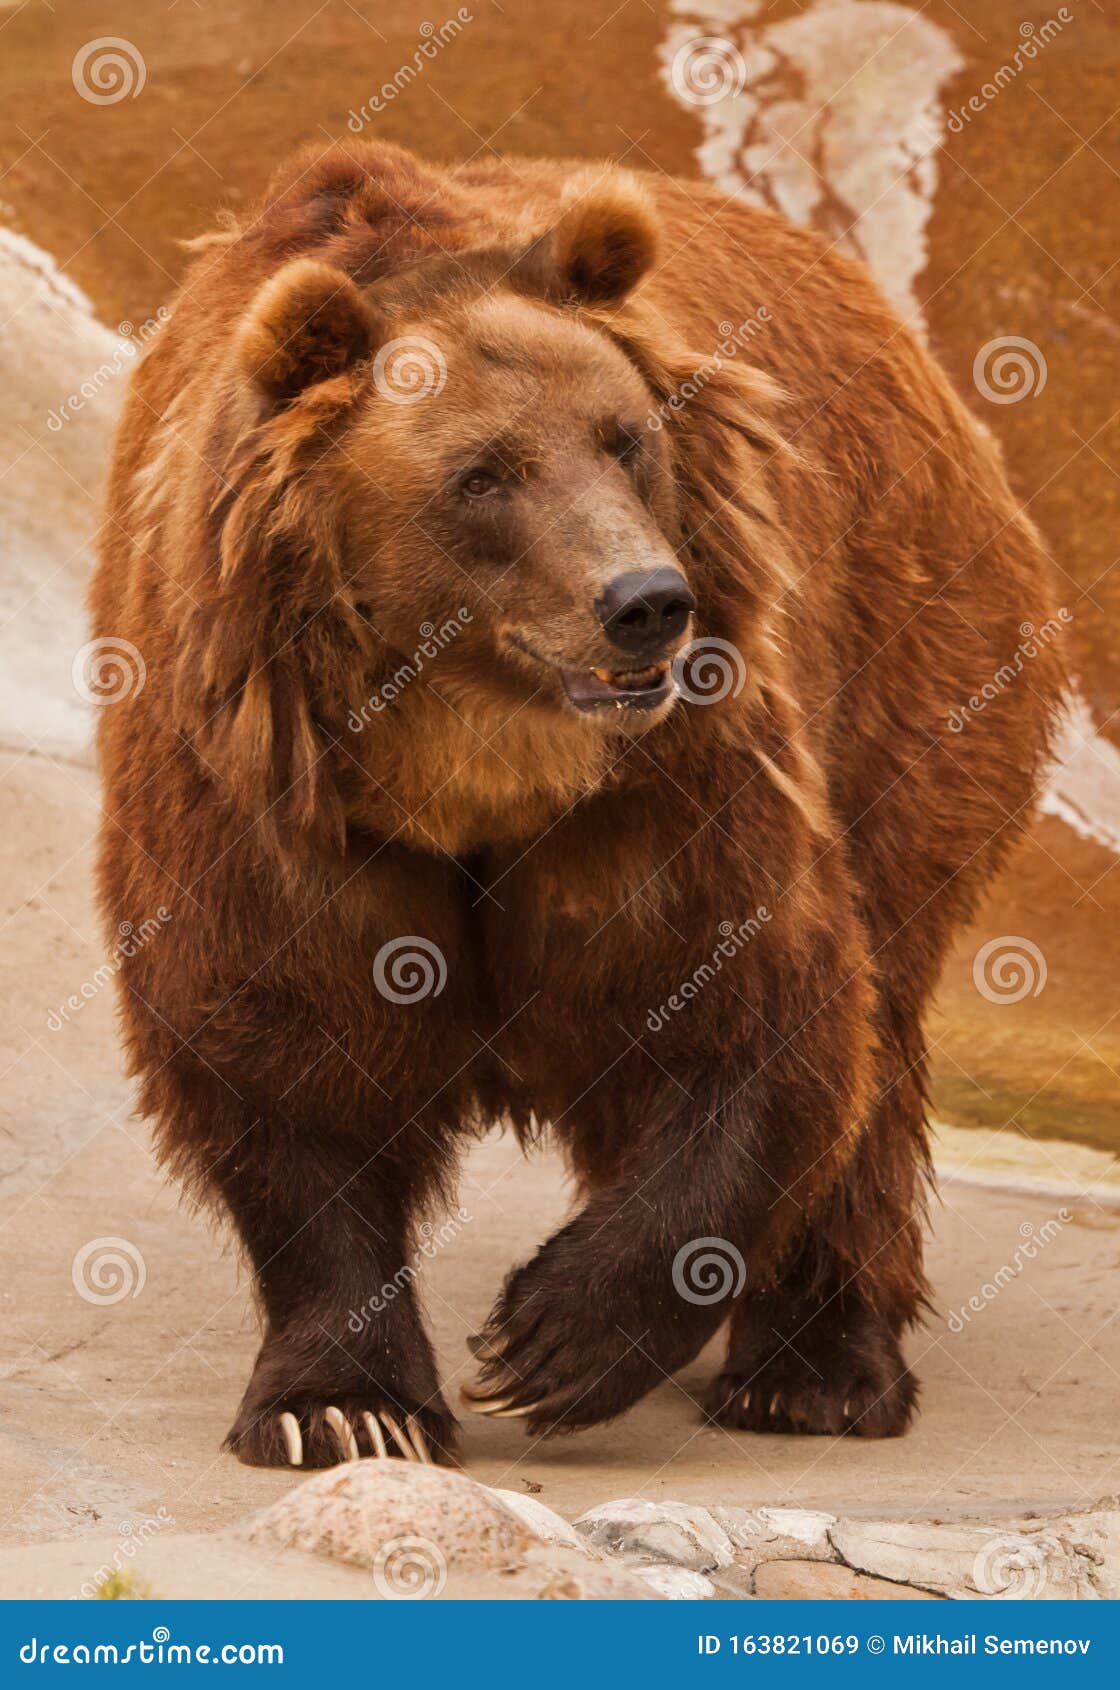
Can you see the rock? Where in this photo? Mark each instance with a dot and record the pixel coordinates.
(1073, 1555)
(408, 1524)
(824, 1581)
(543, 1523)
(567, 1577)
(675, 1584)
(681, 1534)
(777, 1534)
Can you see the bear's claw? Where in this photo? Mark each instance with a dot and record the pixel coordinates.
(862, 1406)
(293, 1438)
(315, 1436)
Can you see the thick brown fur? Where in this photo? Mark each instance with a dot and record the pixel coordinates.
(301, 793)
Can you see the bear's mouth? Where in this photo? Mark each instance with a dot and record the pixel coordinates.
(597, 688)
(618, 689)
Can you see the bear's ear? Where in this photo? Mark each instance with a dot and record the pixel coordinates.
(306, 324)
(606, 240)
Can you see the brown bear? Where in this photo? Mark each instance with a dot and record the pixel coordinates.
(554, 585)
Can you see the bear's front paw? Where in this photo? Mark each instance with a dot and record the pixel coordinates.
(556, 1367)
(296, 1432)
(562, 1357)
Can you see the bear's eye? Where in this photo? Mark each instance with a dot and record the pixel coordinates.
(477, 483)
(624, 447)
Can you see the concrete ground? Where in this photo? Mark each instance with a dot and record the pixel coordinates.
(112, 1408)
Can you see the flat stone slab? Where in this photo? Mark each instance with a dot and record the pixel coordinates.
(1050, 1559)
(824, 1581)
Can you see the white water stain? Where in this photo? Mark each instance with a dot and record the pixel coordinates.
(838, 124)
(1084, 788)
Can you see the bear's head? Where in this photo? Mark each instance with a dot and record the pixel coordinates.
(450, 534)
(499, 458)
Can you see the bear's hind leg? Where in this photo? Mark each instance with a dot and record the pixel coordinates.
(819, 1351)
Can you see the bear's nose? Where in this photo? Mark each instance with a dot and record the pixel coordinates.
(643, 610)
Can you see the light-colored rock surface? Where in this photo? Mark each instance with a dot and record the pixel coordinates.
(771, 1534)
(682, 1535)
(397, 1518)
(224, 1566)
(675, 1584)
(547, 1525)
(824, 1581)
(1051, 1559)
(53, 447)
